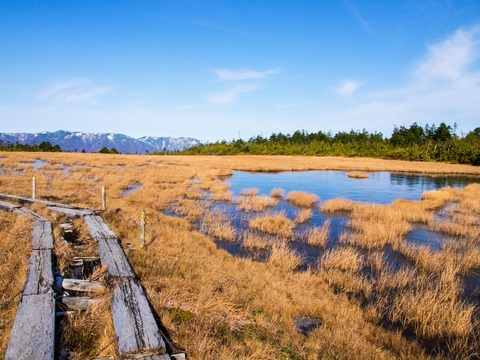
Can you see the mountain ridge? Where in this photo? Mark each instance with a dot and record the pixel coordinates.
(77, 141)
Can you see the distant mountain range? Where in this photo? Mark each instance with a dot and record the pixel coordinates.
(90, 142)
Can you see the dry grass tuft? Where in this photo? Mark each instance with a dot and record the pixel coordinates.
(254, 241)
(303, 216)
(318, 236)
(90, 333)
(277, 193)
(335, 205)
(218, 225)
(277, 224)
(357, 175)
(344, 258)
(282, 256)
(249, 192)
(255, 203)
(14, 252)
(374, 226)
(302, 199)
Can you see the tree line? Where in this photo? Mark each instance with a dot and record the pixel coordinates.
(413, 143)
(44, 146)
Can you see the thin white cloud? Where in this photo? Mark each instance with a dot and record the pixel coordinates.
(241, 75)
(356, 15)
(239, 82)
(75, 91)
(445, 86)
(348, 88)
(449, 59)
(230, 96)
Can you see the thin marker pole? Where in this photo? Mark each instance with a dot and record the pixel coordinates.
(104, 198)
(142, 228)
(34, 188)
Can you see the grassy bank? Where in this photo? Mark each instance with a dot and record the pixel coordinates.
(215, 305)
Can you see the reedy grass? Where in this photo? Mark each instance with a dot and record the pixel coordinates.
(249, 192)
(275, 224)
(255, 202)
(302, 216)
(342, 258)
(301, 199)
(241, 309)
(277, 193)
(335, 205)
(319, 236)
(254, 241)
(15, 245)
(90, 333)
(283, 257)
(218, 225)
(357, 175)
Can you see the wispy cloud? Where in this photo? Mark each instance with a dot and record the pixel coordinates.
(239, 82)
(356, 15)
(348, 88)
(445, 86)
(74, 91)
(451, 58)
(240, 75)
(230, 96)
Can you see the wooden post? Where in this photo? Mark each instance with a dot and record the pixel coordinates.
(104, 198)
(34, 188)
(143, 220)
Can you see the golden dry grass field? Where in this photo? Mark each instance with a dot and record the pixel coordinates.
(218, 306)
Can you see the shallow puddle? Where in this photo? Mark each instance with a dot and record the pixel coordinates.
(131, 189)
(423, 236)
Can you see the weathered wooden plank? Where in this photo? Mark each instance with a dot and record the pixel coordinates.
(8, 207)
(79, 302)
(22, 199)
(112, 255)
(33, 331)
(82, 285)
(42, 236)
(133, 320)
(98, 228)
(39, 273)
(28, 212)
(110, 251)
(70, 212)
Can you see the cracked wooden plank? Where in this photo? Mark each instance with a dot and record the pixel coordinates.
(42, 236)
(8, 207)
(135, 325)
(79, 302)
(98, 228)
(109, 249)
(33, 332)
(82, 285)
(70, 212)
(26, 200)
(39, 273)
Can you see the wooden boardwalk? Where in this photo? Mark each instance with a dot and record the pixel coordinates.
(33, 332)
(138, 335)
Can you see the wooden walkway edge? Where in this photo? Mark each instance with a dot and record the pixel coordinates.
(135, 326)
(33, 331)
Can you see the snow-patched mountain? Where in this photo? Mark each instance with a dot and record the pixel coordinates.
(91, 142)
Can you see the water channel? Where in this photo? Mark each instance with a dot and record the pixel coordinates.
(379, 187)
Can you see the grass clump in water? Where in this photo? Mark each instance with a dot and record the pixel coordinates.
(276, 224)
(302, 199)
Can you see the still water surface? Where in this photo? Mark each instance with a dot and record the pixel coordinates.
(380, 187)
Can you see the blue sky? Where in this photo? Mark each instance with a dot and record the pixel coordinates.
(223, 69)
